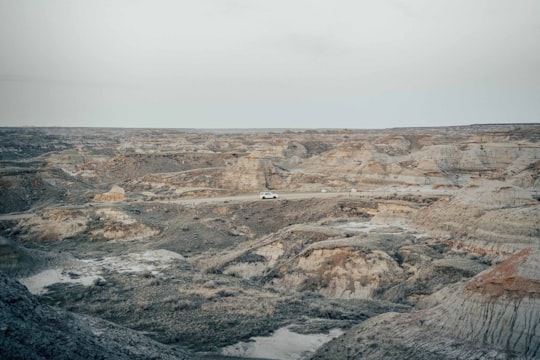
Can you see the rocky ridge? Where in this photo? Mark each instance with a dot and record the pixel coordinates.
(31, 330)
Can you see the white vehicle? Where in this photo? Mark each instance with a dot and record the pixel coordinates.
(268, 195)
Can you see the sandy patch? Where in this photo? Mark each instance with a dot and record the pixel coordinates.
(85, 272)
(365, 227)
(37, 284)
(152, 261)
(391, 228)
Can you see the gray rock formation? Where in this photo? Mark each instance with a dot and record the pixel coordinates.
(29, 330)
(487, 217)
(11, 254)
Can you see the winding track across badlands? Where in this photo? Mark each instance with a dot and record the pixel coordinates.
(308, 195)
(255, 197)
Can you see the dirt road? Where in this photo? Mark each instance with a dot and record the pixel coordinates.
(255, 197)
(318, 195)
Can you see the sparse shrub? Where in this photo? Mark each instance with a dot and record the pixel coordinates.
(147, 274)
(225, 293)
(144, 305)
(210, 284)
(154, 282)
(311, 295)
(364, 280)
(185, 304)
(198, 279)
(210, 297)
(99, 282)
(329, 312)
(170, 299)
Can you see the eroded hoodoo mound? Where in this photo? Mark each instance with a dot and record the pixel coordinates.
(495, 315)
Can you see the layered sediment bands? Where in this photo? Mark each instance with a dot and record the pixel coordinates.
(500, 307)
(161, 162)
(92, 224)
(128, 166)
(340, 271)
(517, 277)
(486, 217)
(341, 260)
(53, 224)
(494, 315)
(23, 188)
(252, 173)
(268, 253)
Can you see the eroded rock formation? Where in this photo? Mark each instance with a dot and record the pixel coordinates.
(488, 217)
(494, 315)
(115, 194)
(30, 330)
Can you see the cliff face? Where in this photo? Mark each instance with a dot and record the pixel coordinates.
(13, 256)
(487, 217)
(494, 315)
(250, 174)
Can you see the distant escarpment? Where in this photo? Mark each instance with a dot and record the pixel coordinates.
(169, 164)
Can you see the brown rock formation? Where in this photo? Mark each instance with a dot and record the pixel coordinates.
(340, 271)
(252, 174)
(515, 278)
(115, 194)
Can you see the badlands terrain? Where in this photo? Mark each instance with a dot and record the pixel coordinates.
(410, 243)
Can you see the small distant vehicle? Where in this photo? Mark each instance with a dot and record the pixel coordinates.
(268, 195)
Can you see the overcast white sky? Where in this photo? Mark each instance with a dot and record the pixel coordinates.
(254, 63)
